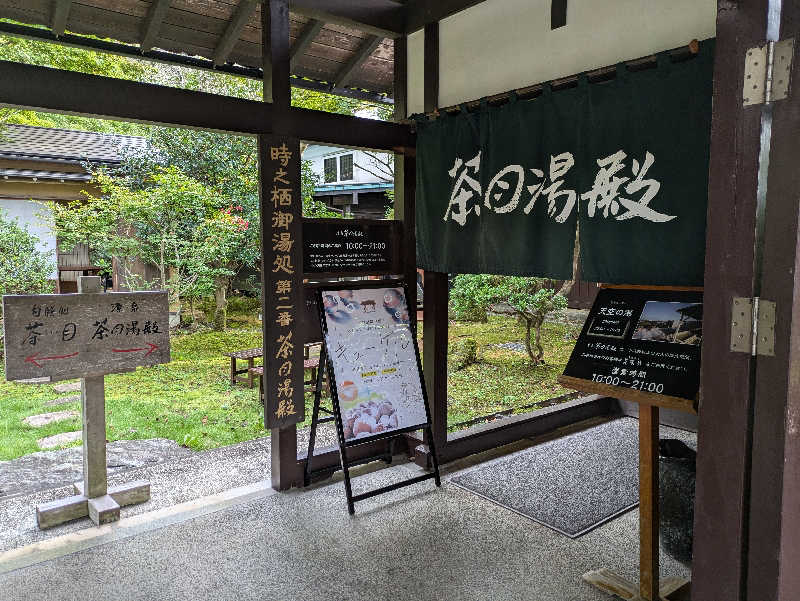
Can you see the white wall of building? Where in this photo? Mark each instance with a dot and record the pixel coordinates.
(365, 171)
(27, 213)
(501, 45)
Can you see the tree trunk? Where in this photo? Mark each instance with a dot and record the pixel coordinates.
(221, 311)
(528, 325)
(161, 268)
(538, 341)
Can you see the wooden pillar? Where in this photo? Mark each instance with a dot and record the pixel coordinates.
(773, 572)
(405, 179)
(648, 503)
(718, 567)
(93, 416)
(434, 337)
(285, 471)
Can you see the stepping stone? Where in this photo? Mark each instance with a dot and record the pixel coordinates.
(63, 400)
(43, 419)
(67, 387)
(58, 440)
(44, 470)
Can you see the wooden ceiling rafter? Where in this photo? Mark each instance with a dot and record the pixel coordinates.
(152, 23)
(420, 13)
(344, 46)
(303, 41)
(361, 55)
(240, 18)
(383, 18)
(60, 16)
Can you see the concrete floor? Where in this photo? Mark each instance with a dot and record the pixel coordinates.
(416, 543)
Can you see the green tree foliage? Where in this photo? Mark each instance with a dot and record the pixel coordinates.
(196, 236)
(470, 297)
(24, 268)
(529, 298)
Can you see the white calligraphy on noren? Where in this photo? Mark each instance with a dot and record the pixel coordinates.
(613, 194)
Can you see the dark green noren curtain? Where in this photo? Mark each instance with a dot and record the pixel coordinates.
(501, 189)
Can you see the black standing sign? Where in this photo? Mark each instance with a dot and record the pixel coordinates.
(374, 372)
(646, 341)
(282, 281)
(351, 246)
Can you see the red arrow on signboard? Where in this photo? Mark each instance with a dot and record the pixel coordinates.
(35, 358)
(149, 348)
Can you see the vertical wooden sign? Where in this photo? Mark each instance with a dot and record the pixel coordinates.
(282, 280)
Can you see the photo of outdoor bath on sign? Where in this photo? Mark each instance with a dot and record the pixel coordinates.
(374, 369)
(87, 335)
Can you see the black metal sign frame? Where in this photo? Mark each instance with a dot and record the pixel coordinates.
(346, 464)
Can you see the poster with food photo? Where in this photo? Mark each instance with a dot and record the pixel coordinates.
(371, 348)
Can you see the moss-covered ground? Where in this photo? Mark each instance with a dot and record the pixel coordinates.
(191, 401)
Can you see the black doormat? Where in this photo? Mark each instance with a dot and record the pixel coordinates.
(571, 484)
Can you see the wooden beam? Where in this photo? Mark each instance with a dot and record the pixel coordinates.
(276, 57)
(400, 86)
(431, 67)
(558, 13)
(435, 319)
(303, 41)
(384, 18)
(152, 23)
(346, 72)
(240, 18)
(725, 430)
(420, 13)
(60, 14)
(773, 549)
(61, 91)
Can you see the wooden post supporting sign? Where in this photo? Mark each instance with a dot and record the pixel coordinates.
(641, 345)
(87, 335)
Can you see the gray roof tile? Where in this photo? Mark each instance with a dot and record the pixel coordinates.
(24, 141)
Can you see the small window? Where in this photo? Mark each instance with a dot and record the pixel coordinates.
(330, 170)
(346, 167)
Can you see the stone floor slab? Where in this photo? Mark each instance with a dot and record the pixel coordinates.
(43, 419)
(172, 482)
(418, 543)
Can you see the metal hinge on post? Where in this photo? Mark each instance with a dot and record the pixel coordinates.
(753, 326)
(767, 72)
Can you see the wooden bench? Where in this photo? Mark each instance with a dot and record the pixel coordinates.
(249, 355)
(312, 364)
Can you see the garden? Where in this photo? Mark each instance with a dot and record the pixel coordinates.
(185, 205)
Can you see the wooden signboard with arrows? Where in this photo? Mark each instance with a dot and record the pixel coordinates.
(65, 336)
(86, 336)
